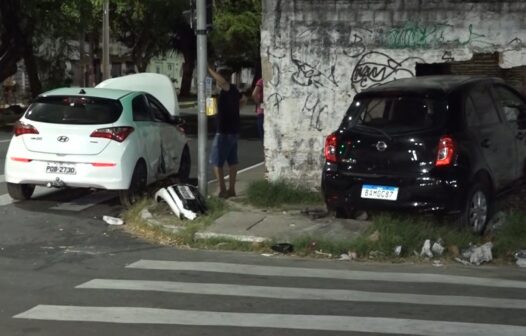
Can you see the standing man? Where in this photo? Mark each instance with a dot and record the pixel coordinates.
(224, 147)
(257, 95)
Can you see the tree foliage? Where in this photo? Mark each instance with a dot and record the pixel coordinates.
(235, 37)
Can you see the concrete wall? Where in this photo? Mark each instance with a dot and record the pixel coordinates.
(317, 55)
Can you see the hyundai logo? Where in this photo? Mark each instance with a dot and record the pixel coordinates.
(62, 138)
(381, 146)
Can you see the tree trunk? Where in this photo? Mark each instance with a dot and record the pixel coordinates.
(32, 70)
(186, 81)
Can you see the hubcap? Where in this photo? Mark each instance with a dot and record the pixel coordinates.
(478, 211)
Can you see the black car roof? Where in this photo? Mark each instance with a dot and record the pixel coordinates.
(426, 85)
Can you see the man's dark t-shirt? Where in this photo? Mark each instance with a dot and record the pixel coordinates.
(227, 118)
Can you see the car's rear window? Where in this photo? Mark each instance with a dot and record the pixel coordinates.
(74, 110)
(396, 114)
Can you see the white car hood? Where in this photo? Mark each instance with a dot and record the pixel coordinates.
(158, 85)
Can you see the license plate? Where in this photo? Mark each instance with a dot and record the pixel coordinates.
(59, 168)
(185, 192)
(379, 192)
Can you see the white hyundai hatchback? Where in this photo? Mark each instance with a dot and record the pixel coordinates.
(102, 138)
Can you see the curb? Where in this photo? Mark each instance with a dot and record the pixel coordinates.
(241, 238)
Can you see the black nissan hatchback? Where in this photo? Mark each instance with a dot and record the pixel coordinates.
(443, 144)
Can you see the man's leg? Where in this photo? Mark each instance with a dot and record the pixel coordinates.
(220, 176)
(232, 172)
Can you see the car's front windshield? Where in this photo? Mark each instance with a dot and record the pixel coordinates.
(395, 114)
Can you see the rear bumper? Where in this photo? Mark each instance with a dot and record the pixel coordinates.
(442, 191)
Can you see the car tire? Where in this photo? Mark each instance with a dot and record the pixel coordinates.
(137, 187)
(184, 166)
(477, 208)
(20, 192)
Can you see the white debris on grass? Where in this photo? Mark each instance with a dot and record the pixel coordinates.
(521, 258)
(398, 250)
(426, 249)
(145, 214)
(437, 249)
(476, 255)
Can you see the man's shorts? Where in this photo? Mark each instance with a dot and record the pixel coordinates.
(224, 148)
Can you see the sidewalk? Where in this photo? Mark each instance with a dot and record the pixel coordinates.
(246, 223)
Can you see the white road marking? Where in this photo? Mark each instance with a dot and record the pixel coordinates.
(240, 171)
(293, 293)
(5, 140)
(2, 178)
(325, 273)
(134, 315)
(85, 202)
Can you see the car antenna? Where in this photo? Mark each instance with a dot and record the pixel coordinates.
(82, 91)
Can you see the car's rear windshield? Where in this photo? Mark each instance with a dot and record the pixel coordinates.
(396, 114)
(74, 110)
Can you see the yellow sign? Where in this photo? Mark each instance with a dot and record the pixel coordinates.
(211, 106)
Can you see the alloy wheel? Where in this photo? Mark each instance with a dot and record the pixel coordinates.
(478, 211)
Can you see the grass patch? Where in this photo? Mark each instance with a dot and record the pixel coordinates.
(512, 236)
(267, 194)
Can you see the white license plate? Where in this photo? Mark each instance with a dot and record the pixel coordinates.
(185, 192)
(379, 192)
(60, 168)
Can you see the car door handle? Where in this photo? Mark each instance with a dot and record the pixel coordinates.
(486, 143)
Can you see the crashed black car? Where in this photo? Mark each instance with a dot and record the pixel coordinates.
(442, 144)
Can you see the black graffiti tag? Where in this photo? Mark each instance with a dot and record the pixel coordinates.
(375, 68)
(316, 110)
(307, 75)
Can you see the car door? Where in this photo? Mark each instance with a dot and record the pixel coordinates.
(492, 135)
(513, 108)
(171, 144)
(150, 139)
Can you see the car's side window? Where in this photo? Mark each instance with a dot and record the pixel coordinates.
(140, 109)
(485, 109)
(511, 104)
(472, 120)
(158, 111)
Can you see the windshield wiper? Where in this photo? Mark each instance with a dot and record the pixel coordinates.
(377, 130)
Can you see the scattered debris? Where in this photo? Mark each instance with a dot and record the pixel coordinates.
(453, 250)
(283, 248)
(521, 258)
(398, 250)
(184, 200)
(374, 237)
(437, 263)
(376, 254)
(426, 249)
(437, 248)
(268, 254)
(464, 262)
(315, 213)
(145, 214)
(362, 216)
(477, 255)
(320, 252)
(349, 256)
(112, 220)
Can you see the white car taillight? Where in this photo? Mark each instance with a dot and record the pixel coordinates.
(118, 134)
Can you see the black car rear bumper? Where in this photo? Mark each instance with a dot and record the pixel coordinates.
(441, 191)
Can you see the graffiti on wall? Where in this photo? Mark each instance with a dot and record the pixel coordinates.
(415, 35)
(316, 111)
(307, 75)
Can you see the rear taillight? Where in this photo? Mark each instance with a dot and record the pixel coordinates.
(18, 159)
(21, 128)
(118, 134)
(446, 151)
(103, 164)
(331, 144)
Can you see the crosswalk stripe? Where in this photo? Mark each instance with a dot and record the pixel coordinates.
(85, 202)
(324, 273)
(294, 293)
(282, 321)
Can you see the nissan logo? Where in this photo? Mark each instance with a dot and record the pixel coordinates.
(62, 138)
(381, 146)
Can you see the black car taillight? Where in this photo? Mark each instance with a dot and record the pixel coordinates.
(331, 145)
(21, 128)
(446, 151)
(118, 134)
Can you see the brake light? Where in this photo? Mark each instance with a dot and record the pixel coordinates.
(118, 134)
(17, 159)
(21, 128)
(446, 151)
(331, 144)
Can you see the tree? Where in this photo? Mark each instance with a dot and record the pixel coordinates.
(235, 38)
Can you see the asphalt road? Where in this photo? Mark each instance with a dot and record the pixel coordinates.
(63, 271)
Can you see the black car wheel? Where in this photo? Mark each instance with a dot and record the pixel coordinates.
(20, 192)
(137, 187)
(477, 209)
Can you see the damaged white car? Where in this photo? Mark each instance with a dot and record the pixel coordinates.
(122, 135)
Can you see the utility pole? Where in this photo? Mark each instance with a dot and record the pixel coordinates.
(202, 67)
(106, 39)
